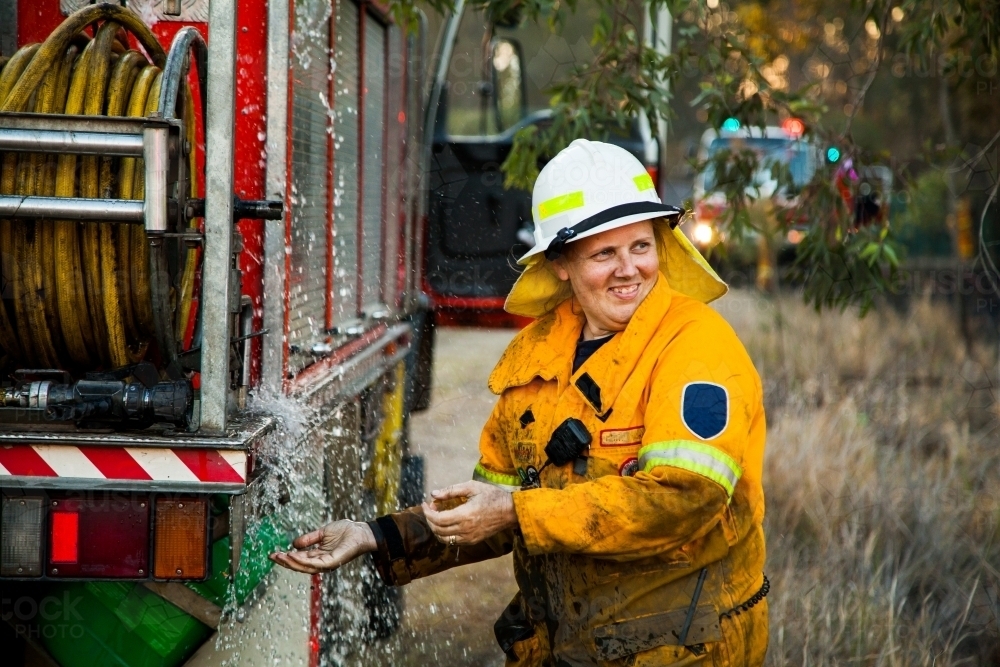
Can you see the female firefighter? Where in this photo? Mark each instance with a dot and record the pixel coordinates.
(622, 462)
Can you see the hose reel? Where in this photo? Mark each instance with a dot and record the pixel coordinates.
(99, 234)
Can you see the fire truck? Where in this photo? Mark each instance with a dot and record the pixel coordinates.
(212, 332)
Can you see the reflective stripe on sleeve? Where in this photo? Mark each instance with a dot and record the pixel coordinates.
(505, 482)
(705, 460)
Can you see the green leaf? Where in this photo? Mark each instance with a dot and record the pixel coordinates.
(891, 255)
(870, 252)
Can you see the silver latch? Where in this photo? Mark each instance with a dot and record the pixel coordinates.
(321, 349)
(348, 328)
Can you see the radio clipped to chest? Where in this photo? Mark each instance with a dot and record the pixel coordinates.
(568, 443)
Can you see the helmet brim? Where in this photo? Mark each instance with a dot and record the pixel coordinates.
(613, 224)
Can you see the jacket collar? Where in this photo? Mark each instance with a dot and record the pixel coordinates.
(546, 347)
(540, 349)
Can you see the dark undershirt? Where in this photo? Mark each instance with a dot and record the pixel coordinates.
(586, 348)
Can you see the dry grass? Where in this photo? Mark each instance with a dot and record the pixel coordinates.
(882, 480)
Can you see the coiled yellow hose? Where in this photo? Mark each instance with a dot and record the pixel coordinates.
(77, 295)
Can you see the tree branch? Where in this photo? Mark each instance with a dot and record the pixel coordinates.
(860, 98)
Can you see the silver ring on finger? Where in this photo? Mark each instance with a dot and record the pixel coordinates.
(451, 541)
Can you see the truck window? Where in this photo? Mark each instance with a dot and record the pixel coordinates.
(530, 50)
(796, 155)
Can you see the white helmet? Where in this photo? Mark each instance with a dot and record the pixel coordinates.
(589, 188)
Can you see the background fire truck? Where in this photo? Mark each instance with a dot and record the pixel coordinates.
(198, 200)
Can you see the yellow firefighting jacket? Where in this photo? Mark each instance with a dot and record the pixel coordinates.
(647, 551)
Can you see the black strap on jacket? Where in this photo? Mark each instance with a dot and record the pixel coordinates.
(682, 640)
(513, 626)
(622, 210)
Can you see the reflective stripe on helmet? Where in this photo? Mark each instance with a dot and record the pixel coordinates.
(644, 182)
(696, 457)
(505, 482)
(560, 204)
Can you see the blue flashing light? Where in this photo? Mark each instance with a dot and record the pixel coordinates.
(832, 153)
(731, 124)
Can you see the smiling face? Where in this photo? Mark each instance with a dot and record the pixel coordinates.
(611, 273)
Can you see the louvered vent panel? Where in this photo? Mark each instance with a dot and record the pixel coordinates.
(374, 161)
(396, 128)
(345, 161)
(310, 180)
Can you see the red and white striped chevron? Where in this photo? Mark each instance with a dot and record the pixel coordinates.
(155, 464)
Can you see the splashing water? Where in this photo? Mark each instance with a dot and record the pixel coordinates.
(315, 463)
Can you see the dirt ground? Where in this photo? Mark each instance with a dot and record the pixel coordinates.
(449, 617)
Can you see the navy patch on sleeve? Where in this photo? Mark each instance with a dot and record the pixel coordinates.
(705, 409)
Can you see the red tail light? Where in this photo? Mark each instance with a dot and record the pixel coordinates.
(104, 535)
(100, 536)
(65, 538)
(794, 127)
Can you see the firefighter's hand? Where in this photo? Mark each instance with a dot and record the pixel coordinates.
(487, 511)
(328, 548)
